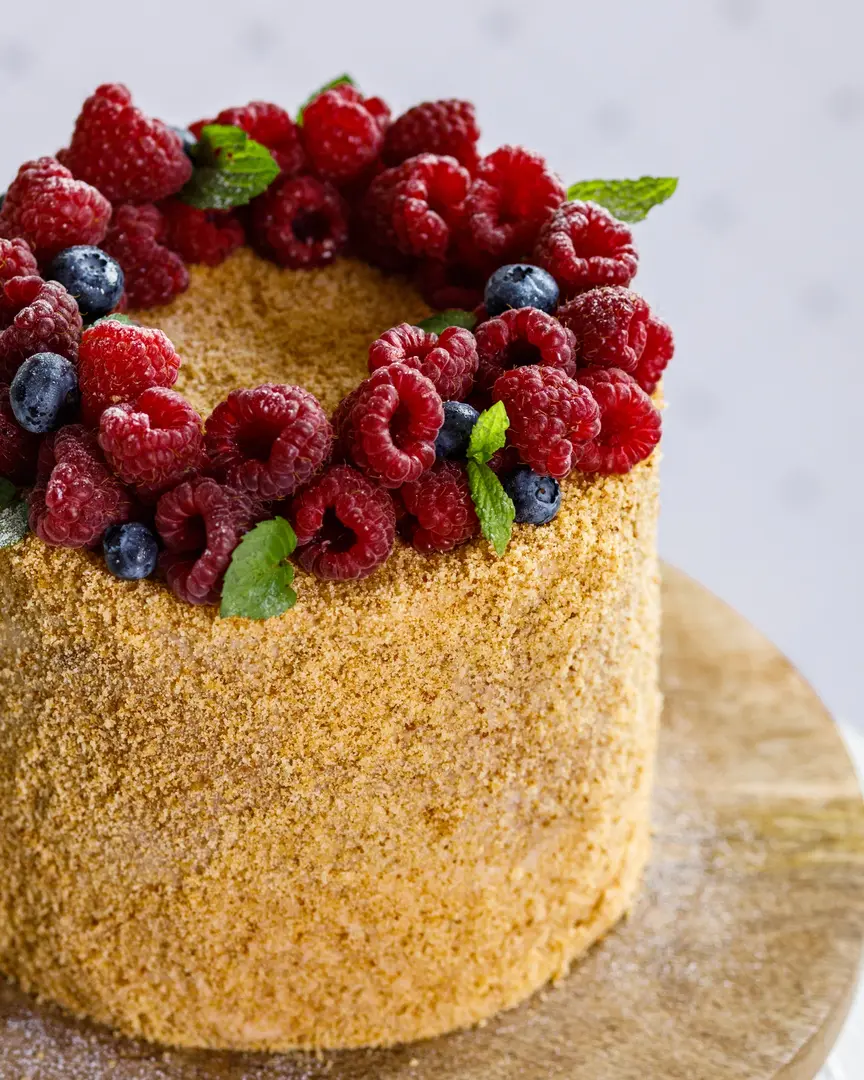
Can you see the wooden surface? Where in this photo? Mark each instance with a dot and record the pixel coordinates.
(739, 960)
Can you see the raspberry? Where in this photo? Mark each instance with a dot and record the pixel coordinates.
(271, 126)
(657, 353)
(447, 128)
(448, 361)
(443, 510)
(128, 156)
(343, 132)
(512, 195)
(269, 441)
(373, 230)
(37, 316)
(390, 431)
(201, 523)
(16, 260)
(452, 284)
(345, 525)
(582, 245)
(118, 362)
(422, 199)
(630, 423)
(75, 498)
(201, 236)
(520, 337)
(611, 327)
(51, 210)
(300, 223)
(18, 448)
(154, 275)
(153, 444)
(551, 416)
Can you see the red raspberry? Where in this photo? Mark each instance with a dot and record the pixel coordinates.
(269, 441)
(446, 128)
(630, 423)
(440, 501)
(582, 245)
(300, 223)
(448, 361)
(18, 448)
(37, 316)
(201, 236)
(75, 498)
(343, 132)
(154, 274)
(128, 156)
(659, 347)
(512, 195)
(519, 337)
(201, 523)
(373, 231)
(551, 416)
(153, 444)
(452, 284)
(345, 525)
(271, 126)
(118, 362)
(391, 429)
(16, 260)
(611, 327)
(51, 210)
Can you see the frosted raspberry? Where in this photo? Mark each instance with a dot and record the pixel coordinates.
(269, 441)
(391, 429)
(582, 245)
(18, 448)
(36, 316)
(520, 337)
(51, 210)
(448, 361)
(271, 126)
(154, 274)
(343, 132)
(447, 128)
(16, 260)
(512, 195)
(118, 362)
(630, 424)
(128, 156)
(424, 198)
(658, 351)
(201, 236)
(300, 223)
(154, 443)
(201, 522)
(552, 417)
(442, 508)
(345, 525)
(75, 498)
(611, 327)
(452, 283)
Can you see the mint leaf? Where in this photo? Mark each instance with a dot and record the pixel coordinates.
(489, 433)
(435, 324)
(13, 522)
(628, 200)
(116, 316)
(258, 581)
(493, 505)
(8, 491)
(340, 80)
(230, 169)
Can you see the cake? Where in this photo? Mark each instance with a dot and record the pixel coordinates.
(400, 789)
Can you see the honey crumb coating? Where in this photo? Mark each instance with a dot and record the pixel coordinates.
(398, 808)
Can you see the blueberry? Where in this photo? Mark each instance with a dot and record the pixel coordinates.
(537, 498)
(44, 392)
(91, 276)
(520, 285)
(187, 138)
(131, 551)
(459, 420)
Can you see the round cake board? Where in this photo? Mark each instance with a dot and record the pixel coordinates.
(739, 960)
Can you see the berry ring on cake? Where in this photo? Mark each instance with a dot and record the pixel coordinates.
(328, 571)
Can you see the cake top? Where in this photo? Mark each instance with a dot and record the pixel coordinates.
(537, 360)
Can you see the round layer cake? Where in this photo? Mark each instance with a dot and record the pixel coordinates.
(396, 809)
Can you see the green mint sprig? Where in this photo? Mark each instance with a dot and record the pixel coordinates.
(230, 169)
(14, 513)
(259, 578)
(627, 200)
(340, 80)
(116, 316)
(494, 506)
(439, 322)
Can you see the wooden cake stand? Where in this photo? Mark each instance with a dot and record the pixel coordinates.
(739, 960)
